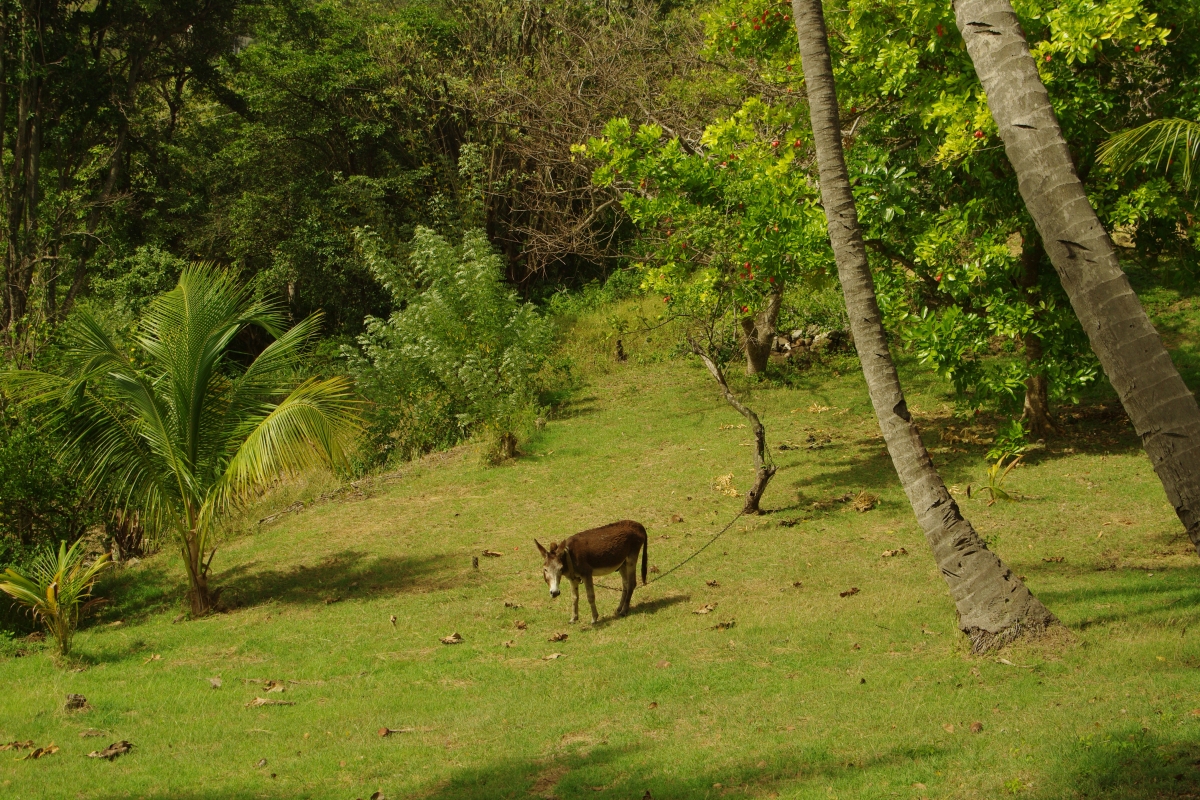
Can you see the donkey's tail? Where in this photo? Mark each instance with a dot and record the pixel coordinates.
(645, 556)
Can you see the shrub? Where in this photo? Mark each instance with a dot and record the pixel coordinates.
(58, 589)
(462, 356)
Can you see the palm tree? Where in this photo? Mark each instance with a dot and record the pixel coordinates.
(178, 424)
(1162, 409)
(994, 606)
(1163, 140)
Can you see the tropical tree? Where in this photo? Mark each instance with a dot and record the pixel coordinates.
(176, 421)
(1163, 410)
(56, 589)
(994, 606)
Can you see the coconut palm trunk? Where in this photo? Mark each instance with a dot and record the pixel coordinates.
(994, 606)
(1163, 411)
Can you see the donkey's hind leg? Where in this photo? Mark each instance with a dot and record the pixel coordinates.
(628, 582)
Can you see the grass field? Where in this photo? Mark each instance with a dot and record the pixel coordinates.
(809, 694)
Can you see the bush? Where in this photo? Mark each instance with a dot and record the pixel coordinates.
(462, 357)
(57, 589)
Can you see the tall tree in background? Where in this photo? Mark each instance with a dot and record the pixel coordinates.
(1163, 410)
(994, 606)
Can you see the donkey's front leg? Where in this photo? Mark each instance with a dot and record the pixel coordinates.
(575, 606)
(587, 579)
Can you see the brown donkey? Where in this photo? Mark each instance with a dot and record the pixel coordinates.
(596, 552)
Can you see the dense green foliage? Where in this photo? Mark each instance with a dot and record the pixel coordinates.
(56, 589)
(405, 168)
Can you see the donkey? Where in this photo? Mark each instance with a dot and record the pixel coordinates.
(596, 552)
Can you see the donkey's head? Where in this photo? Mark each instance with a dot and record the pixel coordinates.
(553, 564)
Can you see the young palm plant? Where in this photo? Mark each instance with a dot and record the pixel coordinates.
(179, 423)
(1163, 140)
(57, 590)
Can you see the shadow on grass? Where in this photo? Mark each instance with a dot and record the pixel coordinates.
(636, 608)
(347, 575)
(1129, 763)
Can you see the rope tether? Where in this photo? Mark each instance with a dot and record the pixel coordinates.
(681, 563)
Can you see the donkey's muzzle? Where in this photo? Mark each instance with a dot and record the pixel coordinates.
(555, 592)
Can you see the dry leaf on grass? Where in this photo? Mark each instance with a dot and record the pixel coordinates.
(113, 750)
(724, 485)
(1053, 560)
(856, 646)
(558, 637)
(262, 701)
(454, 638)
(654, 569)
(948, 727)
(865, 501)
(976, 727)
(899, 551)
(853, 590)
(918, 786)
(89, 733)
(76, 702)
(553, 656)
(26, 745)
(713, 584)
(331, 600)
(652, 705)
(521, 625)
(797, 585)
(663, 664)
(508, 604)
(378, 796)
(492, 554)
(392, 619)
(42, 752)
(510, 643)
(389, 731)
(215, 682)
(155, 657)
(724, 626)
(676, 518)
(707, 608)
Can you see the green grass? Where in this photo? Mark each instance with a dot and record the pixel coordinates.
(809, 695)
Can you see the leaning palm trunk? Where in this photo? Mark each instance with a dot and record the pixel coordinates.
(1163, 411)
(994, 607)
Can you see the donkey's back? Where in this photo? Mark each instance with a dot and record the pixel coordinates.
(602, 550)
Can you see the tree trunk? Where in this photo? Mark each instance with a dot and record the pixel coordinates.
(1163, 411)
(1037, 385)
(201, 599)
(758, 334)
(763, 472)
(994, 606)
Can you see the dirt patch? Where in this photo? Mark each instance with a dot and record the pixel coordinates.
(546, 781)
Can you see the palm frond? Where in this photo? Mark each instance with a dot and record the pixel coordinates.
(312, 426)
(1163, 141)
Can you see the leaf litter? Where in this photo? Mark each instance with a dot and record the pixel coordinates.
(113, 750)
(258, 702)
(42, 752)
(454, 638)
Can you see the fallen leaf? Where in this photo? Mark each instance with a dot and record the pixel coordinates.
(510, 642)
(930, 633)
(42, 752)
(27, 745)
(389, 731)
(1053, 560)
(676, 518)
(89, 733)
(274, 686)
(392, 619)
(511, 605)
(155, 657)
(262, 762)
(1195, 712)
(851, 591)
(215, 682)
(1006, 662)
(865, 501)
(856, 646)
(262, 701)
(647, 796)
(492, 554)
(899, 551)
(652, 705)
(706, 608)
(797, 585)
(723, 626)
(713, 584)
(76, 702)
(521, 625)
(553, 656)
(663, 664)
(654, 568)
(331, 600)
(918, 786)
(976, 727)
(558, 637)
(121, 748)
(454, 638)
(378, 796)
(948, 727)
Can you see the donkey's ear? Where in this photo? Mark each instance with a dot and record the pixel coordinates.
(540, 548)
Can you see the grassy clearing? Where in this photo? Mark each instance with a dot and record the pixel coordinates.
(809, 694)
